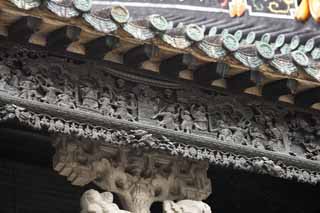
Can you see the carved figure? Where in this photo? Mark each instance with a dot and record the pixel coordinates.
(156, 105)
(65, 100)
(258, 138)
(313, 151)
(29, 89)
(89, 96)
(122, 109)
(4, 77)
(133, 106)
(224, 132)
(120, 86)
(186, 206)
(94, 202)
(168, 93)
(239, 136)
(168, 118)
(200, 117)
(106, 105)
(225, 135)
(15, 79)
(51, 96)
(275, 133)
(187, 122)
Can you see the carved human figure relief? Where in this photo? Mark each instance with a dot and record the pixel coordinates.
(200, 117)
(89, 95)
(94, 202)
(186, 206)
(6, 78)
(40, 78)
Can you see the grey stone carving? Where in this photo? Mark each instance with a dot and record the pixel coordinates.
(94, 202)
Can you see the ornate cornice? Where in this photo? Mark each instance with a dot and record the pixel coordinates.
(141, 139)
(89, 101)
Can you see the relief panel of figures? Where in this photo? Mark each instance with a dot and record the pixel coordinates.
(37, 77)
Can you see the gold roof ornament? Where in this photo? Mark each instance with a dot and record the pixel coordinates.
(237, 8)
(308, 8)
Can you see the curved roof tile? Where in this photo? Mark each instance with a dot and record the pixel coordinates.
(254, 40)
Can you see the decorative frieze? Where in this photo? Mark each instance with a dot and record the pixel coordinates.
(220, 117)
(236, 121)
(142, 140)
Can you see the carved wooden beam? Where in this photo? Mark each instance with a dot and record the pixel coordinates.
(21, 30)
(99, 47)
(242, 81)
(136, 56)
(272, 91)
(172, 66)
(307, 98)
(61, 38)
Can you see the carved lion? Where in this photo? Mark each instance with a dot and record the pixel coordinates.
(94, 202)
(186, 206)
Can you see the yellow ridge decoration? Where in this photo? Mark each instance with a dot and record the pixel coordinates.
(307, 8)
(314, 6)
(275, 7)
(237, 7)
